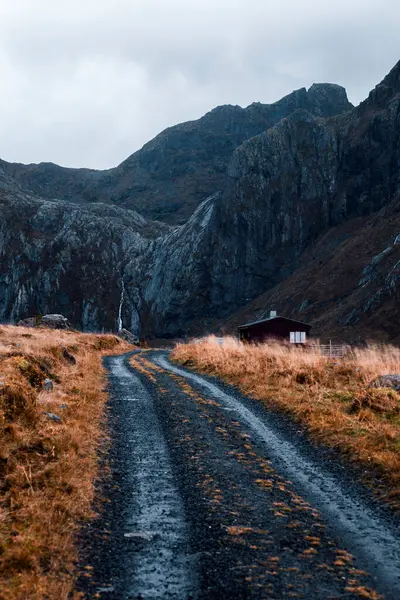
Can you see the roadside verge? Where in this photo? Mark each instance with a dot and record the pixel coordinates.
(331, 398)
(52, 427)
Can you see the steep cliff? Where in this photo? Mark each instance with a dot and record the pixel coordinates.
(284, 188)
(282, 180)
(60, 258)
(171, 175)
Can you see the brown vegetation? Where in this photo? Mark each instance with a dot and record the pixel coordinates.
(47, 468)
(331, 397)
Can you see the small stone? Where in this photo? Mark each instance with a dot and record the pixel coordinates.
(147, 536)
(68, 356)
(63, 406)
(48, 385)
(53, 417)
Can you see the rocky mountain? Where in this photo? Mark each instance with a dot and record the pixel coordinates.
(58, 257)
(347, 283)
(301, 216)
(171, 175)
(284, 189)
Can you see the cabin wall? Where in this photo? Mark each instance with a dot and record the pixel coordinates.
(271, 329)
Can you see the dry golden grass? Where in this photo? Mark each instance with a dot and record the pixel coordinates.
(47, 469)
(331, 397)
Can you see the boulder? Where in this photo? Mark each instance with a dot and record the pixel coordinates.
(30, 322)
(51, 321)
(387, 381)
(55, 322)
(128, 336)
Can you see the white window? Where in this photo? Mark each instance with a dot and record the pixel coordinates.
(297, 337)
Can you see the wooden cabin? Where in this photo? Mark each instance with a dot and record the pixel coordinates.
(280, 328)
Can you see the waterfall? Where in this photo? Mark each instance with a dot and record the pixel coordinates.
(121, 302)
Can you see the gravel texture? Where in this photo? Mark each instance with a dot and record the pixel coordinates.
(211, 496)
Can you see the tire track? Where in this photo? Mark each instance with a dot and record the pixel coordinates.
(214, 501)
(375, 544)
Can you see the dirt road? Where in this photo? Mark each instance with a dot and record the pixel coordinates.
(211, 496)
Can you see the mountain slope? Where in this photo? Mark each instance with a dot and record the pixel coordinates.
(284, 188)
(172, 174)
(347, 285)
(285, 193)
(60, 258)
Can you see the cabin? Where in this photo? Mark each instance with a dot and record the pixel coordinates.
(280, 328)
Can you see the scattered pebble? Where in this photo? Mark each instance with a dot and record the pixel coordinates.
(53, 417)
(48, 385)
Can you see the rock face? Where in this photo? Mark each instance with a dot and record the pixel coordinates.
(284, 188)
(280, 179)
(58, 257)
(171, 175)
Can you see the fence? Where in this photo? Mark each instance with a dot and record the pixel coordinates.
(330, 350)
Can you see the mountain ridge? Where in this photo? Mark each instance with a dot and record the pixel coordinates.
(170, 175)
(277, 194)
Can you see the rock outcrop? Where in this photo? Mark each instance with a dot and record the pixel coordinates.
(57, 257)
(284, 189)
(171, 175)
(279, 179)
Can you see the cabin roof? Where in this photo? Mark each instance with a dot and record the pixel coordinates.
(269, 319)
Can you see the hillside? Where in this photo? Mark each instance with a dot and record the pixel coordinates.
(347, 284)
(285, 188)
(172, 174)
(304, 198)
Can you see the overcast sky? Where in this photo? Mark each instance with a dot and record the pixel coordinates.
(88, 82)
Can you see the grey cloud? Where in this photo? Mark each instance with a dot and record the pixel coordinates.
(85, 83)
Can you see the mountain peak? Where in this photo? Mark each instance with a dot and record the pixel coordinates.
(329, 99)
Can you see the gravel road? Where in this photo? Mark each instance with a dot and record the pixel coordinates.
(211, 496)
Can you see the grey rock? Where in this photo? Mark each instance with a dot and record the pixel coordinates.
(55, 322)
(53, 417)
(128, 336)
(387, 381)
(48, 385)
(29, 322)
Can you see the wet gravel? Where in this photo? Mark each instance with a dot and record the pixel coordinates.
(211, 496)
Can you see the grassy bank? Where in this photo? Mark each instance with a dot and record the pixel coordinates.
(330, 397)
(47, 467)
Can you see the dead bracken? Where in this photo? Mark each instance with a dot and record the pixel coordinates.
(48, 462)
